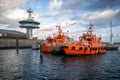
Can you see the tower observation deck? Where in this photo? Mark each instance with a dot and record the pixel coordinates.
(29, 24)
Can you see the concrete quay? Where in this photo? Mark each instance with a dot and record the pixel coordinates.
(112, 46)
(11, 43)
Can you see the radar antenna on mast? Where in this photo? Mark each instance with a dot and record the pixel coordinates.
(30, 11)
(90, 28)
(59, 29)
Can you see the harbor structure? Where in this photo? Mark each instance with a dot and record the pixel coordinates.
(11, 34)
(29, 24)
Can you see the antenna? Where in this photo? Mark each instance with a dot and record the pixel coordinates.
(90, 28)
(111, 35)
(59, 29)
(30, 11)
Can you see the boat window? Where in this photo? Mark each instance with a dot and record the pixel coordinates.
(80, 48)
(89, 46)
(65, 46)
(88, 38)
(73, 47)
(91, 49)
(85, 48)
(104, 47)
(99, 48)
(95, 48)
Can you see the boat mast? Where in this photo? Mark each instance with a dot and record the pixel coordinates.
(59, 29)
(90, 28)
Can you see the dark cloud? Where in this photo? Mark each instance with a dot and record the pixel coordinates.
(100, 12)
(91, 5)
(99, 18)
(72, 5)
(103, 4)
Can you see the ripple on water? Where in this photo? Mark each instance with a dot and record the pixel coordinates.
(28, 65)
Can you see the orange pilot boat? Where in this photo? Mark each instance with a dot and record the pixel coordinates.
(88, 44)
(58, 42)
(46, 46)
(55, 43)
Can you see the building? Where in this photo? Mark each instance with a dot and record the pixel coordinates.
(12, 34)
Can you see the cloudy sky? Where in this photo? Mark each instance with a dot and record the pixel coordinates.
(73, 15)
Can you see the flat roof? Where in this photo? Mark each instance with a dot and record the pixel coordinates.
(11, 31)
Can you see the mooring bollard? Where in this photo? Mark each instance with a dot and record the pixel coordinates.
(17, 43)
(41, 57)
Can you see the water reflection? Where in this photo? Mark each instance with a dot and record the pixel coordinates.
(87, 66)
(30, 65)
(81, 57)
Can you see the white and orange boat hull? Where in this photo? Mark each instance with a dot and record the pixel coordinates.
(81, 50)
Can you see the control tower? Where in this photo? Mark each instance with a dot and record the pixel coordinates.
(29, 24)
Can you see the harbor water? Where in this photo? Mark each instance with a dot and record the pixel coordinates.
(27, 64)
